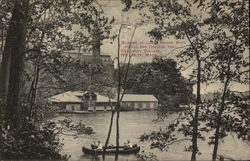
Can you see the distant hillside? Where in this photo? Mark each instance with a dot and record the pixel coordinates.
(210, 96)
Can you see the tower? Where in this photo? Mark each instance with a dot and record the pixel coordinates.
(96, 44)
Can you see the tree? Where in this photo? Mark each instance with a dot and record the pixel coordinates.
(32, 36)
(176, 19)
(227, 113)
(15, 48)
(120, 77)
(120, 93)
(227, 58)
(46, 41)
(161, 78)
(6, 7)
(63, 16)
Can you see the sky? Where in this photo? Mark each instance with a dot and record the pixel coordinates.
(169, 48)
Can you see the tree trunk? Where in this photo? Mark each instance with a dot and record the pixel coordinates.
(2, 41)
(117, 134)
(216, 141)
(196, 115)
(221, 109)
(118, 97)
(109, 133)
(217, 130)
(34, 91)
(5, 68)
(15, 46)
(198, 102)
(1, 94)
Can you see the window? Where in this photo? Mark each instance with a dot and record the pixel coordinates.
(147, 105)
(139, 105)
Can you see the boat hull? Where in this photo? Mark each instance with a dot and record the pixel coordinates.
(111, 150)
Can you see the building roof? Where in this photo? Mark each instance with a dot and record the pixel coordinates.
(139, 97)
(74, 96)
(65, 97)
(78, 93)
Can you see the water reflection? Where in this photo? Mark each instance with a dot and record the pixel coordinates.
(108, 157)
(90, 157)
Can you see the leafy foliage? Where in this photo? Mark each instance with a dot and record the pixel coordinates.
(30, 141)
(127, 3)
(231, 15)
(45, 41)
(68, 125)
(234, 118)
(48, 26)
(161, 78)
(217, 44)
(179, 130)
(143, 156)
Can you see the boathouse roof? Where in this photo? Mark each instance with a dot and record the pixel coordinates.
(75, 97)
(65, 97)
(139, 98)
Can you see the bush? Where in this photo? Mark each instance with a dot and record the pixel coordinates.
(30, 141)
(143, 156)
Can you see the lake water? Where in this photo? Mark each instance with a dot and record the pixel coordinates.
(132, 125)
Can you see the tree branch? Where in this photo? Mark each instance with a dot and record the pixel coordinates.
(177, 141)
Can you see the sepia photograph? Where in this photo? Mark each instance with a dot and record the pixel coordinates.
(124, 80)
